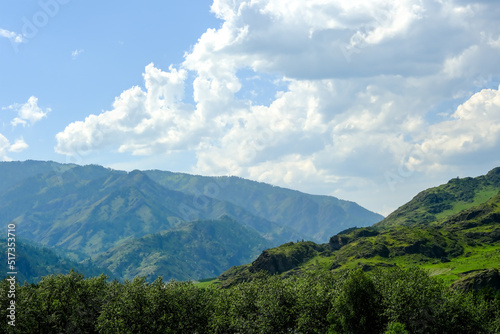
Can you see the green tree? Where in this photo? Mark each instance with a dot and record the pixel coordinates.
(315, 292)
(61, 304)
(396, 328)
(425, 305)
(125, 309)
(159, 307)
(358, 307)
(277, 305)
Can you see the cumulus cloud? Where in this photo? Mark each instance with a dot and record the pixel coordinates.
(472, 131)
(18, 146)
(12, 36)
(142, 121)
(360, 87)
(28, 113)
(5, 147)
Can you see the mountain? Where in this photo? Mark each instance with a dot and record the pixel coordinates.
(34, 261)
(193, 251)
(13, 172)
(314, 217)
(89, 212)
(439, 202)
(458, 233)
(92, 212)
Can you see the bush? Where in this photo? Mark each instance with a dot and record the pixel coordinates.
(396, 328)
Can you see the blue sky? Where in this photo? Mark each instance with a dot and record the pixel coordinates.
(370, 101)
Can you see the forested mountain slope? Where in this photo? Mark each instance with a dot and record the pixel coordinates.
(315, 217)
(194, 250)
(87, 211)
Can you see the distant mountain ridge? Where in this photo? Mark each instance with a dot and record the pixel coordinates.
(315, 217)
(87, 211)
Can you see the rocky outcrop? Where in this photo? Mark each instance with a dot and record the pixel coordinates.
(338, 241)
(478, 280)
(488, 237)
(292, 255)
(421, 247)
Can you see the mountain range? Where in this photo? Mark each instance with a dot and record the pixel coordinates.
(157, 223)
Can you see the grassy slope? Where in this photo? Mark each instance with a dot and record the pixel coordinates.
(463, 236)
(466, 241)
(440, 202)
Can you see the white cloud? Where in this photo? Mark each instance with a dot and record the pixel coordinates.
(364, 91)
(14, 37)
(472, 131)
(18, 146)
(495, 43)
(142, 122)
(28, 113)
(76, 53)
(5, 147)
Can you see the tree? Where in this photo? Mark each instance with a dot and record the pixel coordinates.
(358, 307)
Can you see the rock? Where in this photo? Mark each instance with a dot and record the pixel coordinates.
(338, 241)
(276, 262)
(488, 237)
(478, 280)
(422, 247)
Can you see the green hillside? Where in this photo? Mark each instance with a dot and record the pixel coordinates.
(87, 210)
(439, 202)
(460, 241)
(431, 268)
(34, 261)
(193, 251)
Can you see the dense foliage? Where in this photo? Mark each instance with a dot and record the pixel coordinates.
(390, 300)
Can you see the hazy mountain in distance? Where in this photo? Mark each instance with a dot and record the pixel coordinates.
(87, 211)
(316, 217)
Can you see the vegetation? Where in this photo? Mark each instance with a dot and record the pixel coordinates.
(192, 251)
(430, 267)
(440, 202)
(314, 217)
(385, 300)
(33, 261)
(96, 213)
(449, 247)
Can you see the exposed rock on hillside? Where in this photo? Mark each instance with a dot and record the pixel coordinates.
(478, 280)
(278, 262)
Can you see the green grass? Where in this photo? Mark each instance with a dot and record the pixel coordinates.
(207, 282)
(479, 198)
(318, 262)
(483, 257)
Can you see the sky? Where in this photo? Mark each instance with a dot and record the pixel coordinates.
(368, 101)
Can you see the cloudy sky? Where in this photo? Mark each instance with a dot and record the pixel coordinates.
(370, 101)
